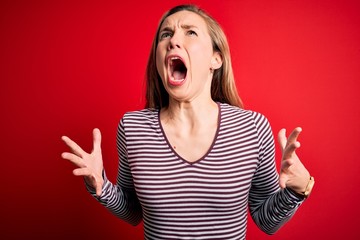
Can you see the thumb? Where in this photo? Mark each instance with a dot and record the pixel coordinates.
(283, 180)
(98, 190)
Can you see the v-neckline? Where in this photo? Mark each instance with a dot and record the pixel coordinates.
(210, 147)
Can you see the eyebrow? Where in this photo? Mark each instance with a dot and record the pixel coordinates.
(184, 26)
(187, 26)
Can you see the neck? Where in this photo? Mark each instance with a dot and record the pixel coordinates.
(189, 114)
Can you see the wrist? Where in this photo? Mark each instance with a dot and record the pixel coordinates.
(308, 188)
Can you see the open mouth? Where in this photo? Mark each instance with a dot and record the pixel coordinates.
(178, 71)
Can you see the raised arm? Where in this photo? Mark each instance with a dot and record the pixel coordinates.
(90, 165)
(271, 206)
(119, 198)
(293, 173)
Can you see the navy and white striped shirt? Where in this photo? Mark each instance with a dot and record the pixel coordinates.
(206, 199)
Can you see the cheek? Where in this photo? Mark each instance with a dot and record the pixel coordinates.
(202, 53)
(160, 63)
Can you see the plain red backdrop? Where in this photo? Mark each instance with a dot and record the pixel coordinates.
(69, 66)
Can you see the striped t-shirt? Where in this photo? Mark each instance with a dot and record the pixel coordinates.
(207, 199)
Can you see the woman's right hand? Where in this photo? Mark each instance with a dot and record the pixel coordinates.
(90, 165)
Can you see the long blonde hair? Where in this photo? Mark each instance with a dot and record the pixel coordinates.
(223, 88)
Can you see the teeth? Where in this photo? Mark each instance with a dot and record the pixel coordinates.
(176, 80)
(172, 59)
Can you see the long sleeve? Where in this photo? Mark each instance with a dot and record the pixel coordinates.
(270, 207)
(121, 199)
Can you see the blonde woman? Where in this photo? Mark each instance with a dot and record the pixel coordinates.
(193, 161)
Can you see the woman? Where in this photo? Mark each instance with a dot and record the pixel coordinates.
(193, 160)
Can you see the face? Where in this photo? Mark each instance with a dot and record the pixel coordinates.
(185, 56)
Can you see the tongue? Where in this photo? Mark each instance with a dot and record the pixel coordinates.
(178, 75)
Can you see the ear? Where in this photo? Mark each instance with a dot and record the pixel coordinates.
(216, 61)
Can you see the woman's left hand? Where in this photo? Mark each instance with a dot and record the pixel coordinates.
(293, 174)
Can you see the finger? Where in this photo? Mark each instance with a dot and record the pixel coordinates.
(282, 138)
(73, 146)
(96, 139)
(294, 135)
(82, 172)
(290, 150)
(78, 161)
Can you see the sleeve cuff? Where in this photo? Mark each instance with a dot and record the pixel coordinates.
(294, 196)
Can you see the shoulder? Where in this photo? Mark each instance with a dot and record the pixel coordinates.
(141, 116)
(229, 112)
(232, 116)
(140, 119)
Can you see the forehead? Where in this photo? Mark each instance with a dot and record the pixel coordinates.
(184, 18)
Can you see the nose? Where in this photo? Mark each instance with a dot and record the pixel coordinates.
(175, 42)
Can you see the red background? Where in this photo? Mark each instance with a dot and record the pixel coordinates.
(67, 67)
